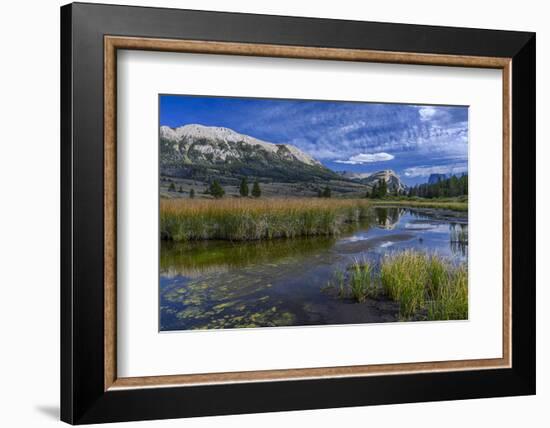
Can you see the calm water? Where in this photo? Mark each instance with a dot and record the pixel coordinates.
(219, 284)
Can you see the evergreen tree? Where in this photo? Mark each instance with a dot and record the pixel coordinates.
(243, 188)
(327, 192)
(382, 188)
(216, 190)
(172, 187)
(192, 193)
(256, 191)
(180, 190)
(374, 192)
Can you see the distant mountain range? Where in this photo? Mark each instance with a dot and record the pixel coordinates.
(203, 153)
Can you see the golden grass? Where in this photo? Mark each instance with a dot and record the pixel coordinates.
(439, 204)
(240, 219)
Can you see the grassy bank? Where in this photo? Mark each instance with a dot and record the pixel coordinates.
(424, 286)
(447, 204)
(245, 219)
(242, 219)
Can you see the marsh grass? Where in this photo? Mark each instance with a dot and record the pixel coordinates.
(362, 285)
(451, 301)
(404, 277)
(425, 286)
(425, 282)
(357, 282)
(244, 219)
(340, 281)
(454, 204)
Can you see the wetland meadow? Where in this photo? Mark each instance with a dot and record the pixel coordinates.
(335, 262)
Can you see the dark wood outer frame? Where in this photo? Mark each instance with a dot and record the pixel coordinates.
(85, 393)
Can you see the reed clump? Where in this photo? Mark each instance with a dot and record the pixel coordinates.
(358, 282)
(421, 282)
(244, 219)
(362, 282)
(404, 277)
(425, 286)
(451, 303)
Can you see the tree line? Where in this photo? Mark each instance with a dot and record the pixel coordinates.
(380, 190)
(217, 191)
(447, 187)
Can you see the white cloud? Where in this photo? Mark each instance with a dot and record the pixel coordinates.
(367, 158)
(425, 171)
(426, 113)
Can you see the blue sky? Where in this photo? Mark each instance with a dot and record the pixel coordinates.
(413, 140)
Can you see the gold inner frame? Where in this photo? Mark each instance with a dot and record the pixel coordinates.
(113, 43)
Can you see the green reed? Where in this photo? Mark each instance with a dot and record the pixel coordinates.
(244, 219)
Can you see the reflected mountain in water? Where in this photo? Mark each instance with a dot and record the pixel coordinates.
(387, 218)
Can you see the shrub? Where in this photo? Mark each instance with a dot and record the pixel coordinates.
(256, 191)
(243, 188)
(216, 190)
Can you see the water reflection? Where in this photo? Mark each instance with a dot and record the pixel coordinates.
(196, 258)
(459, 238)
(387, 217)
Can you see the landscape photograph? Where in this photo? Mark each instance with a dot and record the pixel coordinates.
(290, 212)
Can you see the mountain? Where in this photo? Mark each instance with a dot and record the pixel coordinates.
(370, 179)
(434, 178)
(350, 175)
(390, 177)
(202, 152)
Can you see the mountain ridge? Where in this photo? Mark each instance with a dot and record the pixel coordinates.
(391, 178)
(205, 153)
(202, 152)
(228, 135)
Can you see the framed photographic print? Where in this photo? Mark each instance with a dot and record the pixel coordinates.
(265, 213)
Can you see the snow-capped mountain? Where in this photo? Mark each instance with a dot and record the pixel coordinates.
(199, 151)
